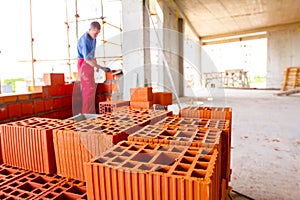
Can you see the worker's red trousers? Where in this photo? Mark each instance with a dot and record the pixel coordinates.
(88, 86)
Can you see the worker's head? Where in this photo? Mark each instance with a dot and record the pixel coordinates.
(94, 30)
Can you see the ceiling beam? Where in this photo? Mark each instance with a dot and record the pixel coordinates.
(237, 39)
(262, 29)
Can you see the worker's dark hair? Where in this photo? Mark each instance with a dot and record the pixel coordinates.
(95, 25)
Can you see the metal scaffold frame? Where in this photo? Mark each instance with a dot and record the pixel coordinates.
(69, 61)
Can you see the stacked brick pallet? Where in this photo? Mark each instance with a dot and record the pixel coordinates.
(158, 161)
(192, 132)
(28, 143)
(80, 142)
(32, 185)
(154, 171)
(215, 113)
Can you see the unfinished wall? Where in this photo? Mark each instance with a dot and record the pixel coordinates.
(283, 51)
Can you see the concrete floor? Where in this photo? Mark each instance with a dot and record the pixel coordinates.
(265, 142)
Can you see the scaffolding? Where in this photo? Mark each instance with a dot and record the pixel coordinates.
(69, 60)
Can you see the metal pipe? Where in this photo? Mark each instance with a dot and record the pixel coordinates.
(72, 59)
(32, 57)
(66, 59)
(76, 16)
(68, 39)
(105, 41)
(97, 18)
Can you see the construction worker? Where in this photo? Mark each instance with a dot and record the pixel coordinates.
(86, 65)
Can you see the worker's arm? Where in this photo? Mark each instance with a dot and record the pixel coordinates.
(93, 63)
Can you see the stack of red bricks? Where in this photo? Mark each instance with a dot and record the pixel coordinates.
(224, 113)
(28, 143)
(22, 184)
(145, 98)
(78, 143)
(53, 100)
(192, 132)
(154, 171)
(182, 158)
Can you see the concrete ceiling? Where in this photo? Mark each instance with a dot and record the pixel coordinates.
(211, 18)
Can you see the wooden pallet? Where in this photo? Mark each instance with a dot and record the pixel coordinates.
(291, 81)
(291, 78)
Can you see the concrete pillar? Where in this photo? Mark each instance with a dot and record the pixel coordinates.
(283, 51)
(170, 48)
(181, 54)
(133, 45)
(146, 31)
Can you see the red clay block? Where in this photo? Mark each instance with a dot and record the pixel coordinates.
(36, 95)
(68, 88)
(142, 104)
(165, 98)
(107, 88)
(156, 98)
(9, 173)
(29, 186)
(38, 106)
(67, 101)
(54, 79)
(68, 189)
(100, 88)
(14, 110)
(53, 91)
(23, 97)
(141, 94)
(3, 112)
(49, 104)
(57, 104)
(109, 76)
(60, 90)
(8, 98)
(27, 108)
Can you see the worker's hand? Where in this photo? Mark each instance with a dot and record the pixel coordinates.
(97, 68)
(105, 69)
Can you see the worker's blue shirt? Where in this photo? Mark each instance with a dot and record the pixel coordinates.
(86, 47)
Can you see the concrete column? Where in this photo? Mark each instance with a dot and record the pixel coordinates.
(170, 48)
(283, 51)
(146, 31)
(181, 54)
(133, 45)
